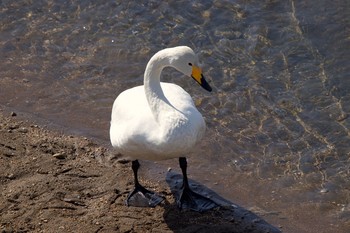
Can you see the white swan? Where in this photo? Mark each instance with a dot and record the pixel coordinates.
(159, 120)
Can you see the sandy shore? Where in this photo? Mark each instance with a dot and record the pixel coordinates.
(60, 183)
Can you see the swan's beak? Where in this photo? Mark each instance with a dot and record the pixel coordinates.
(198, 76)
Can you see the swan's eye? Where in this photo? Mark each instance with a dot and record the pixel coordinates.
(190, 64)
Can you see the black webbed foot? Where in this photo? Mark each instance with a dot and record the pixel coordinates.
(189, 199)
(140, 196)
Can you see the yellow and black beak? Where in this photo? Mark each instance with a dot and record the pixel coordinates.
(198, 76)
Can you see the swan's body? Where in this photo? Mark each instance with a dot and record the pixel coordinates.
(137, 133)
(159, 121)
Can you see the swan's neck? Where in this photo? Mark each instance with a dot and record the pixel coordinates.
(159, 104)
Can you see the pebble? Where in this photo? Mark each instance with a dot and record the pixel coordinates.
(15, 126)
(342, 117)
(60, 155)
(10, 154)
(324, 190)
(13, 114)
(23, 130)
(11, 176)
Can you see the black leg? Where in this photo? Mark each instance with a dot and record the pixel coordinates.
(140, 196)
(135, 165)
(189, 199)
(183, 166)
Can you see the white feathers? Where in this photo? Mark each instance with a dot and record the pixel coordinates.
(158, 120)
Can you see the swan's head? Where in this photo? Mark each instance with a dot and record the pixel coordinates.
(186, 61)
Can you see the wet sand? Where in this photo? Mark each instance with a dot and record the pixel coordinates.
(60, 183)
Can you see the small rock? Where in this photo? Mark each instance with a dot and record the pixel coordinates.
(13, 114)
(23, 130)
(324, 190)
(60, 155)
(342, 117)
(10, 154)
(11, 176)
(123, 160)
(15, 126)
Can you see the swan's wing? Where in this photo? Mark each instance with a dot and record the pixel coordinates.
(131, 119)
(183, 102)
(179, 98)
(130, 105)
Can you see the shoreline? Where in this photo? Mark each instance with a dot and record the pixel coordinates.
(57, 183)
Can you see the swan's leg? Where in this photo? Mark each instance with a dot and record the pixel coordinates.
(188, 198)
(183, 166)
(140, 196)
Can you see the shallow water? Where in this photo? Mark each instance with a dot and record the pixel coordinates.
(278, 119)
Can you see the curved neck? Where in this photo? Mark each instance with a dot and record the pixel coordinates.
(157, 101)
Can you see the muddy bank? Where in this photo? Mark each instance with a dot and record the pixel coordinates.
(60, 183)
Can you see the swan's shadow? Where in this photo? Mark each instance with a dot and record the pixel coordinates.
(228, 217)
